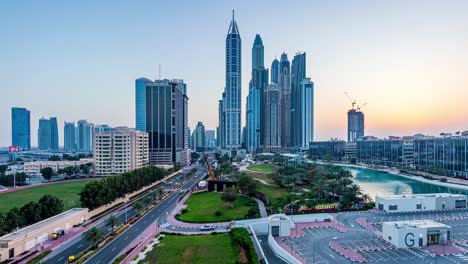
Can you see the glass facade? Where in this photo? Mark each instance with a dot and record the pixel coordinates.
(253, 120)
(69, 136)
(388, 152)
(327, 150)
(272, 110)
(231, 125)
(140, 104)
(44, 134)
(21, 128)
(436, 155)
(298, 74)
(274, 71)
(355, 125)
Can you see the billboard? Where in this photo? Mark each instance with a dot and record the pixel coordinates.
(13, 148)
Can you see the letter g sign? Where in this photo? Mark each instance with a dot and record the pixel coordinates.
(409, 239)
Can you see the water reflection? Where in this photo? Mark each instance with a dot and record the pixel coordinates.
(380, 183)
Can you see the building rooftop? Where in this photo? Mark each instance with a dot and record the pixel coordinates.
(424, 195)
(42, 224)
(417, 224)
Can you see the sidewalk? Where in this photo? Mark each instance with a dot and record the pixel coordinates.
(261, 207)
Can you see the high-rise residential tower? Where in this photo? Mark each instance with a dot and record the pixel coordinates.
(298, 74)
(54, 138)
(84, 134)
(307, 113)
(284, 86)
(162, 111)
(199, 140)
(255, 100)
(44, 134)
(272, 134)
(69, 136)
(275, 68)
(231, 123)
(355, 125)
(21, 128)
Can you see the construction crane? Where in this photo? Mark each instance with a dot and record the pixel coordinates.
(212, 176)
(354, 104)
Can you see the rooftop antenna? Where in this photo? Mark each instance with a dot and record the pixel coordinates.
(159, 71)
(233, 14)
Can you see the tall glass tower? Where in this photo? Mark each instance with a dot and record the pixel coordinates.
(54, 138)
(232, 100)
(274, 71)
(21, 128)
(298, 74)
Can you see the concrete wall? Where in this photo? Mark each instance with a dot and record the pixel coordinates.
(280, 252)
(403, 237)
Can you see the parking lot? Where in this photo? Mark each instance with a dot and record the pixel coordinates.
(314, 245)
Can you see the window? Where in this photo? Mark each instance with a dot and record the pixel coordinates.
(393, 207)
(418, 206)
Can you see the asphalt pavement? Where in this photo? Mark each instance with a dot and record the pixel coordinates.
(118, 245)
(78, 244)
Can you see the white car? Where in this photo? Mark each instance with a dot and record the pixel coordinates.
(207, 227)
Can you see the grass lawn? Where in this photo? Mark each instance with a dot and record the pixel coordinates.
(202, 207)
(275, 194)
(218, 248)
(67, 191)
(264, 168)
(262, 176)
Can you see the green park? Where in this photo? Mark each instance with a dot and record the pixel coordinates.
(68, 192)
(210, 207)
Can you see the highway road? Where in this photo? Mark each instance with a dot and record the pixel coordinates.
(79, 244)
(115, 248)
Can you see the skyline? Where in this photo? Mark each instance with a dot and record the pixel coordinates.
(426, 63)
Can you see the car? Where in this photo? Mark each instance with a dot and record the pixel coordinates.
(71, 259)
(207, 227)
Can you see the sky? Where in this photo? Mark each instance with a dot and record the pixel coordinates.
(408, 60)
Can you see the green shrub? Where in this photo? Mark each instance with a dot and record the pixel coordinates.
(184, 210)
(218, 213)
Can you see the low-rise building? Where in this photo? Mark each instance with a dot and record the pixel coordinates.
(34, 167)
(327, 150)
(394, 151)
(120, 150)
(420, 202)
(416, 233)
(27, 238)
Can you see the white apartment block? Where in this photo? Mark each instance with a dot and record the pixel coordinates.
(34, 167)
(120, 150)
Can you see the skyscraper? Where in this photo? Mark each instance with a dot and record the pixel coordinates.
(85, 131)
(54, 139)
(284, 86)
(69, 136)
(275, 68)
(307, 113)
(298, 74)
(231, 127)
(355, 125)
(199, 140)
(165, 119)
(255, 100)
(21, 128)
(253, 125)
(210, 140)
(272, 95)
(44, 134)
(258, 53)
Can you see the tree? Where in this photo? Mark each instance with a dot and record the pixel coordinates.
(246, 185)
(47, 173)
(3, 225)
(31, 212)
(54, 158)
(112, 222)
(14, 219)
(138, 206)
(50, 205)
(3, 168)
(93, 236)
(228, 197)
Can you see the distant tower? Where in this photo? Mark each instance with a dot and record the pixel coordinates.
(355, 125)
(21, 128)
(274, 71)
(298, 74)
(284, 85)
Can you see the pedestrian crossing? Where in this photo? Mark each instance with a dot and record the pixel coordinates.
(464, 258)
(164, 225)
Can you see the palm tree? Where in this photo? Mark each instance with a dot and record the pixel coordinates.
(366, 198)
(355, 190)
(93, 236)
(138, 206)
(112, 222)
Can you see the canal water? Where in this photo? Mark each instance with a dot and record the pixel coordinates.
(380, 183)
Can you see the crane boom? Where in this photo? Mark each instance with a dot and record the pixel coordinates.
(212, 176)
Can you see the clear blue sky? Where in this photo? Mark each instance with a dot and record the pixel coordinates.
(78, 59)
